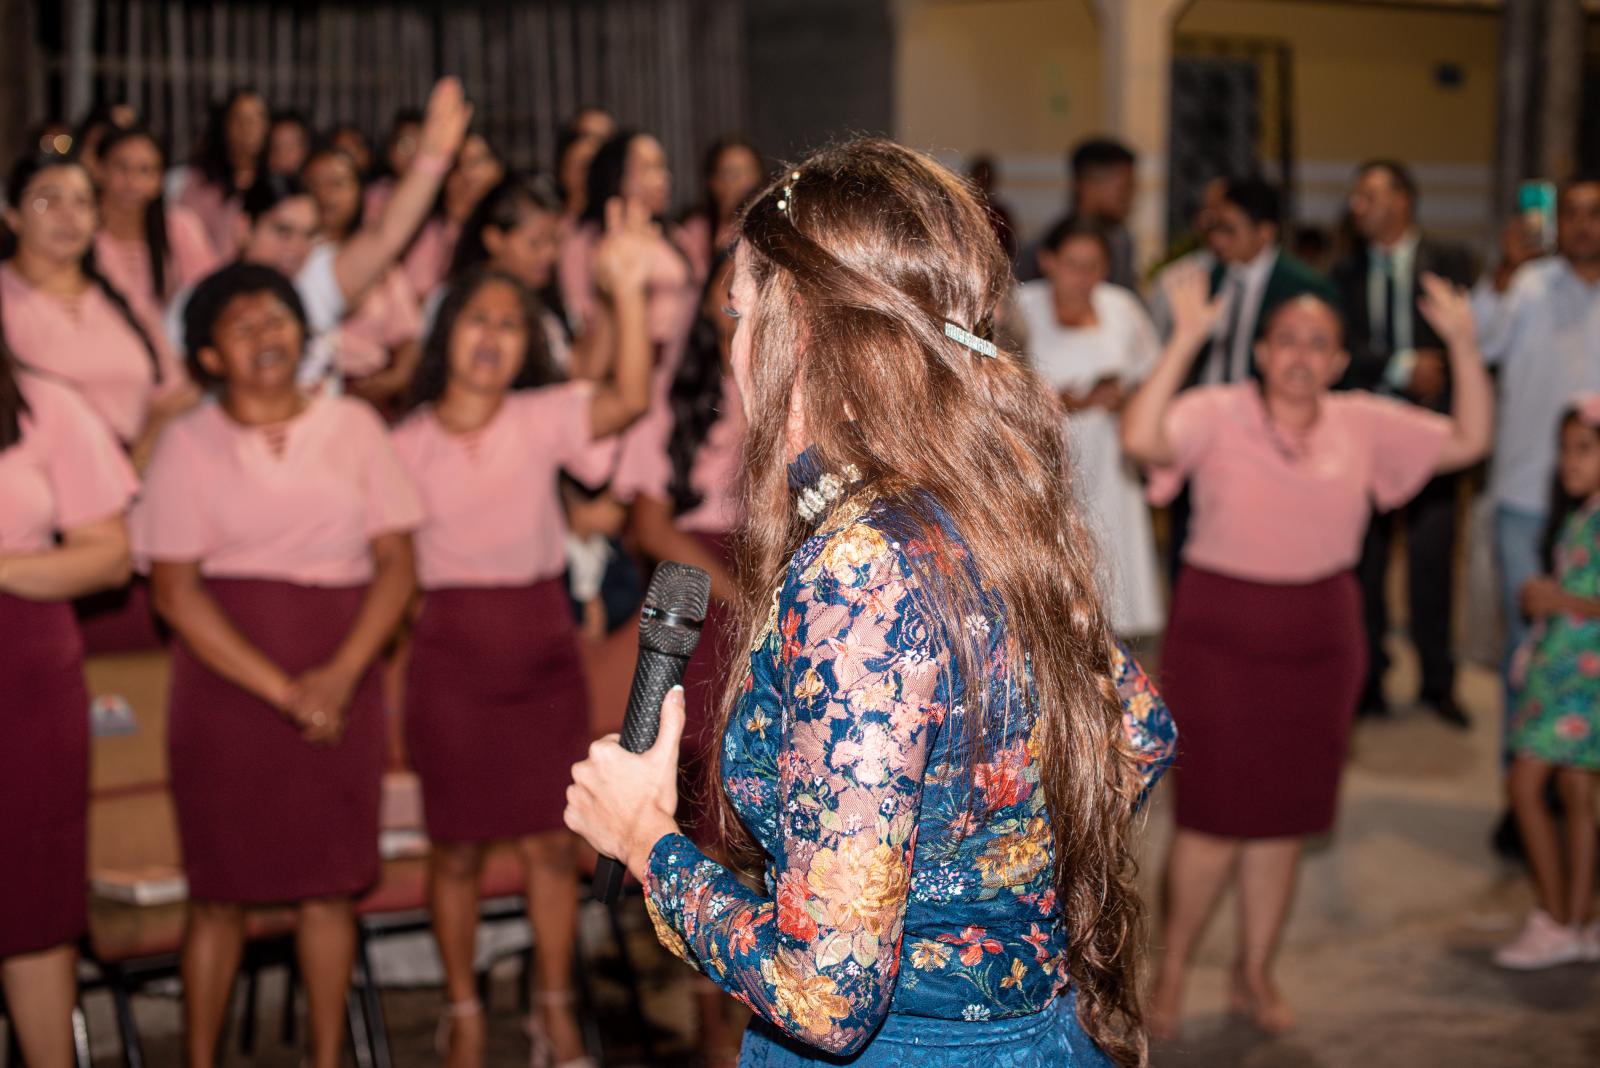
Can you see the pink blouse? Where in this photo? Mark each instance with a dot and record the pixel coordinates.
(427, 262)
(673, 297)
(1270, 509)
(66, 470)
(220, 493)
(712, 475)
(491, 498)
(87, 344)
(387, 317)
(218, 213)
(126, 264)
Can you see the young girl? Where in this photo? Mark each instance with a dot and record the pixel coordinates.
(1555, 732)
(63, 318)
(63, 486)
(147, 248)
(276, 529)
(496, 706)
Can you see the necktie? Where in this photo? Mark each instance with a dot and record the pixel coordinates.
(1383, 330)
(1223, 354)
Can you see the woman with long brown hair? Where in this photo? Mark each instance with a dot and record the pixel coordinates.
(935, 752)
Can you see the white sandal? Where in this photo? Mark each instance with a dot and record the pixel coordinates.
(455, 1010)
(541, 1053)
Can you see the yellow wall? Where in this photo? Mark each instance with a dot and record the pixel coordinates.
(1001, 75)
(1363, 75)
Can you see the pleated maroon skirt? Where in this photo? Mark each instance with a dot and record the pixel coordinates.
(497, 711)
(703, 683)
(1262, 681)
(44, 777)
(264, 816)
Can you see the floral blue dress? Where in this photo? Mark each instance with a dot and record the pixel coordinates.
(899, 923)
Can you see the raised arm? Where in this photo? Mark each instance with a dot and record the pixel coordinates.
(1448, 310)
(373, 250)
(1194, 315)
(622, 270)
(848, 680)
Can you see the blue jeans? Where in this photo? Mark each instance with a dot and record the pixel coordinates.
(1516, 546)
(1050, 1039)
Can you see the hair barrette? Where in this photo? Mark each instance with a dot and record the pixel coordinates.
(982, 346)
(786, 202)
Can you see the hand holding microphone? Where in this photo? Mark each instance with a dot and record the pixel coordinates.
(623, 797)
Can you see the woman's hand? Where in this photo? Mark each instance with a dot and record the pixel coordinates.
(622, 803)
(1194, 310)
(1449, 311)
(445, 122)
(623, 257)
(1542, 597)
(318, 703)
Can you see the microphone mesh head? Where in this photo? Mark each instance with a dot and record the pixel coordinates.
(674, 608)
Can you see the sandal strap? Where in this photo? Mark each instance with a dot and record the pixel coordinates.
(458, 1010)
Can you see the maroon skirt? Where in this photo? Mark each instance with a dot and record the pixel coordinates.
(497, 711)
(264, 816)
(44, 777)
(704, 680)
(1262, 681)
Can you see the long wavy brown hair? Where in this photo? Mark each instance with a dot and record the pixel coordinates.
(877, 247)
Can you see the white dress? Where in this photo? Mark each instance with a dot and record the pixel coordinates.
(1107, 487)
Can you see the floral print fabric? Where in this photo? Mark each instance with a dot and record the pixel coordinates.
(1558, 709)
(887, 888)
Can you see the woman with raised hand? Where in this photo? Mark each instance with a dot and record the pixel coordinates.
(282, 222)
(932, 757)
(1264, 656)
(276, 528)
(496, 705)
(64, 484)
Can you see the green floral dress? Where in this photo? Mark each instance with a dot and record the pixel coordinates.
(1558, 709)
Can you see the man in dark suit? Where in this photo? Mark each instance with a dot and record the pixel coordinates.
(1256, 273)
(1395, 352)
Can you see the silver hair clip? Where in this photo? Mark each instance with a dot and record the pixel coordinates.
(982, 346)
(786, 202)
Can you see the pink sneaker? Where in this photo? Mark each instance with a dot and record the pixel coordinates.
(1543, 943)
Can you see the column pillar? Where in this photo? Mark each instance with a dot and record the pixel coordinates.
(1136, 71)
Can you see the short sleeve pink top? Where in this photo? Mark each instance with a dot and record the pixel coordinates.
(713, 474)
(126, 264)
(491, 499)
(387, 317)
(1267, 509)
(218, 212)
(427, 262)
(88, 344)
(673, 298)
(66, 470)
(297, 503)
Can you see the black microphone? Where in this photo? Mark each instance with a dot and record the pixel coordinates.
(669, 629)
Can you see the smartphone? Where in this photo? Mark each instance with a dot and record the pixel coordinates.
(1536, 205)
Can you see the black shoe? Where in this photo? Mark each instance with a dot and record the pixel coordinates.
(1446, 709)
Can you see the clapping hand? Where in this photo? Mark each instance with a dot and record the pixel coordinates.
(624, 255)
(1195, 311)
(1447, 309)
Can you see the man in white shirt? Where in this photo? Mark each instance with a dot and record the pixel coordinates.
(1544, 336)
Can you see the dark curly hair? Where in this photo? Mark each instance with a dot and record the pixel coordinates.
(213, 295)
(433, 372)
(695, 395)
